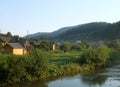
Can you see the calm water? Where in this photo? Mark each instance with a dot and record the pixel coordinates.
(103, 78)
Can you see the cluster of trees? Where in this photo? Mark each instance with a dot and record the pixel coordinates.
(102, 55)
(65, 46)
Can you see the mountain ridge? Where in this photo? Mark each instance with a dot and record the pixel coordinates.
(86, 32)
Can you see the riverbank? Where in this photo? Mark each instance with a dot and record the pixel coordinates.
(38, 65)
(98, 78)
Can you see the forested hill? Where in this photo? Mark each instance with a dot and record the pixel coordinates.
(87, 32)
(90, 31)
(50, 35)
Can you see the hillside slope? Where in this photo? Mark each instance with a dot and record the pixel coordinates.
(90, 31)
(86, 32)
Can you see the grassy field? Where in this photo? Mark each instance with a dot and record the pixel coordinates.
(64, 58)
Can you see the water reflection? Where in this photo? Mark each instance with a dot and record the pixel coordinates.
(94, 80)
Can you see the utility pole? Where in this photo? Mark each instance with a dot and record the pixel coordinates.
(0, 30)
(28, 34)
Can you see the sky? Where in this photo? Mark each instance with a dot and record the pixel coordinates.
(31, 16)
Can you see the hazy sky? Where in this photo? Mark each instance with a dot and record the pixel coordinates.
(18, 16)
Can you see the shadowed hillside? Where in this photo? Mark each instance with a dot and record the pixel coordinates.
(86, 32)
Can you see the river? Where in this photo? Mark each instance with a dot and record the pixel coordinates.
(109, 77)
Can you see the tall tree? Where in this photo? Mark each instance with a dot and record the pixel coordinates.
(9, 34)
(66, 46)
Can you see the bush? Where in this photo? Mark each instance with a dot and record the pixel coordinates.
(80, 46)
(14, 69)
(36, 63)
(96, 57)
(44, 45)
(66, 46)
(71, 68)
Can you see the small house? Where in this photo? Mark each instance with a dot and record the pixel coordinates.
(14, 48)
(24, 42)
(15, 45)
(52, 46)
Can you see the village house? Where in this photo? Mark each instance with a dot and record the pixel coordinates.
(52, 46)
(24, 42)
(15, 45)
(14, 48)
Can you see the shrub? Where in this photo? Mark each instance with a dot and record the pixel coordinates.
(36, 63)
(66, 46)
(14, 69)
(96, 57)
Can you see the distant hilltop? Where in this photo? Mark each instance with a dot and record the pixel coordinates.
(85, 32)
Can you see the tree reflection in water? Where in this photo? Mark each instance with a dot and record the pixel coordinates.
(94, 78)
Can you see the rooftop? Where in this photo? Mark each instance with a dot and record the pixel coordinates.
(15, 45)
(5, 39)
